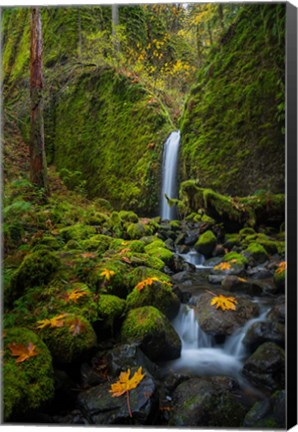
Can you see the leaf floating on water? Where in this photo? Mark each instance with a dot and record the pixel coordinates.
(225, 303)
(22, 351)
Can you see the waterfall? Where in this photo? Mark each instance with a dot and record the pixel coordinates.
(169, 175)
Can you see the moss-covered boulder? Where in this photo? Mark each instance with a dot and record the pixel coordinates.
(128, 216)
(37, 268)
(29, 384)
(268, 413)
(98, 243)
(231, 240)
(77, 232)
(206, 402)
(256, 253)
(110, 308)
(152, 330)
(110, 277)
(266, 367)
(158, 249)
(70, 342)
(157, 294)
(206, 243)
(139, 230)
(141, 273)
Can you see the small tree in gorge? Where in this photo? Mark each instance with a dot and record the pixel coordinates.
(38, 165)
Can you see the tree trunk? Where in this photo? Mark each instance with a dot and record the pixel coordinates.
(115, 23)
(38, 171)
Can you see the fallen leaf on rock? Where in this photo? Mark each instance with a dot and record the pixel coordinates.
(107, 274)
(22, 351)
(56, 321)
(223, 266)
(146, 282)
(76, 326)
(225, 303)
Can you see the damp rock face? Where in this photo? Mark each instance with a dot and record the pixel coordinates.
(100, 407)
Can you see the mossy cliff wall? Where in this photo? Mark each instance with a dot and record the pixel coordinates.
(232, 130)
(113, 131)
(97, 120)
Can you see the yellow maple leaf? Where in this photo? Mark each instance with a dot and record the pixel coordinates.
(223, 266)
(75, 295)
(107, 274)
(146, 282)
(282, 266)
(56, 321)
(125, 384)
(225, 303)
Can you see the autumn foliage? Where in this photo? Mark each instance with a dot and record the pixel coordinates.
(224, 303)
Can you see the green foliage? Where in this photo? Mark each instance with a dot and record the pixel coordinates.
(28, 384)
(231, 129)
(110, 309)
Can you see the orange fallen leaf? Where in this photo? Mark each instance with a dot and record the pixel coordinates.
(146, 282)
(282, 266)
(56, 321)
(88, 255)
(223, 266)
(225, 303)
(75, 295)
(107, 274)
(76, 326)
(22, 351)
(126, 259)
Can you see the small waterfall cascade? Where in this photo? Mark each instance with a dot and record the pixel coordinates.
(201, 355)
(169, 175)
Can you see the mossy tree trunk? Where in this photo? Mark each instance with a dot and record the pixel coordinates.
(38, 165)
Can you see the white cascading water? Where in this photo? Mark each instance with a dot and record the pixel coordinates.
(169, 175)
(200, 354)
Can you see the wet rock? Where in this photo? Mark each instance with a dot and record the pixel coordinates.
(206, 243)
(217, 322)
(170, 245)
(267, 413)
(127, 356)
(184, 296)
(180, 240)
(264, 331)
(74, 417)
(266, 367)
(183, 249)
(277, 313)
(89, 376)
(219, 250)
(259, 273)
(234, 283)
(191, 238)
(216, 279)
(153, 331)
(207, 402)
(99, 407)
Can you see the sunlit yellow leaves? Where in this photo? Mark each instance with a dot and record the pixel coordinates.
(56, 321)
(146, 282)
(23, 352)
(225, 303)
(125, 384)
(222, 266)
(282, 266)
(75, 295)
(107, 274)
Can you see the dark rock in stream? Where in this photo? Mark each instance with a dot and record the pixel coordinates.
(217, 322)
(264, 331)
(278, 312)
(234, 283)
(207, 402)
(266, 367)
(216, 279)
(268, 413)
(99, 407)
(191, 239)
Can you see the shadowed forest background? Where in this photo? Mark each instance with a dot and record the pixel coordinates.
(96, 282)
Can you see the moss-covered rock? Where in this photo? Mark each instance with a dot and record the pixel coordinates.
(158, 294)
(98, 243)
(128, 216)
(37, 268)
(157, 338)
(138, 230)
(158, 249)
(246, 231)
(141, 273)
(110, 308)
(231, 240)
(29, 384)
(256, 253)
(133, 245)
(77, 232)
(70, 342)
(114, 282)
(235, 258)
(206, 243)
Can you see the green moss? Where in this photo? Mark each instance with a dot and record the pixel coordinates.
(257, 252)
(158, 295)
(37, 268)
(270, 246)
(280, 279)
(64, 345)
(246, 231)
(138, 230)
(231, 240)
(117, 284)
(133, 245)
(110, 308)
(77, 232)
(157, 249)
(140, 273)
(241, 84)
(26, 385)
(236, 258)
(49, 242)
(128, 216)
(206, 243)
(98, 243)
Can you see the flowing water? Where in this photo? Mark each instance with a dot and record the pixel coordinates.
(200, 355)
(169, 175)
